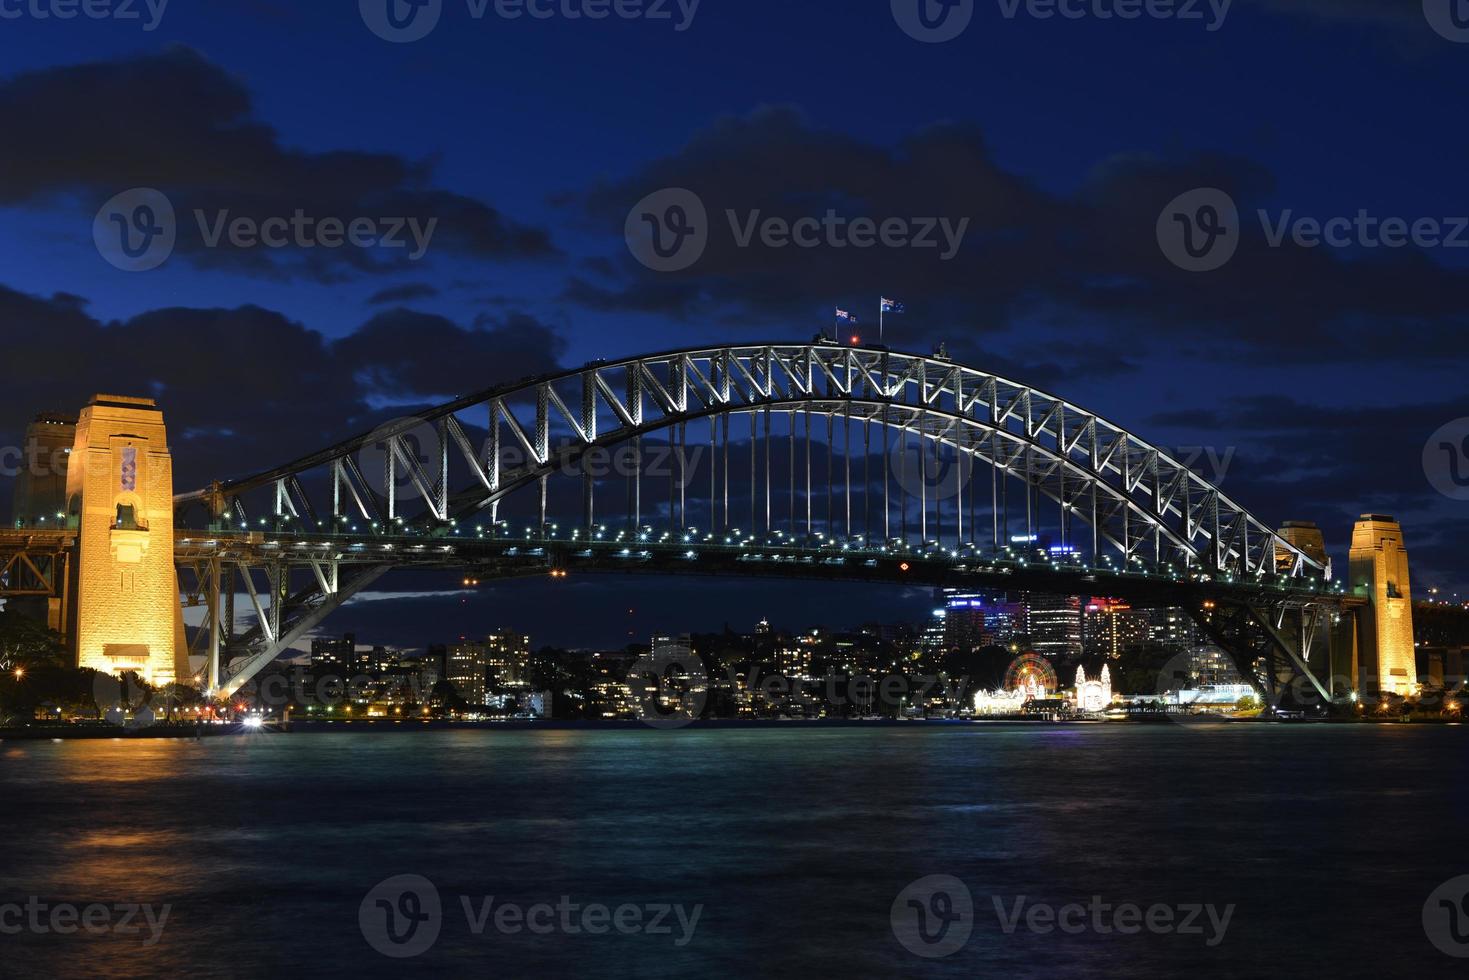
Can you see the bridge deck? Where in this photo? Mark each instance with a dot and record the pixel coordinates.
(502, 557)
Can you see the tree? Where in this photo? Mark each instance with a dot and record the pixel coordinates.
(27, 644)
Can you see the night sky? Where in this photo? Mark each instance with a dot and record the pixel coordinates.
(1319, 372)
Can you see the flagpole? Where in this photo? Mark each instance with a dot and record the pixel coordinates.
(879, 319)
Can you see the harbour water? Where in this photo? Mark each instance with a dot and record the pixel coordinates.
(792, 845)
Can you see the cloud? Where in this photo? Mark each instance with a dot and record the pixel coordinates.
(179, 123)
(421, 355)
(1086, 262)
(1331, 464)
(406, 293)
(248, 388)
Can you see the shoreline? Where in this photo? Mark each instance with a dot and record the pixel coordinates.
(388, 726)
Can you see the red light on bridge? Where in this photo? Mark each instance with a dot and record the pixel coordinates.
(903, 567)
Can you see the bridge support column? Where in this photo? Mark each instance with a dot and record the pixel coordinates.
(1271, 646)
(120, 483)
(216, 609)
(1379, 563)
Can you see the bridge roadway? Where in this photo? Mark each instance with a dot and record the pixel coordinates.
(33, 561)
(488, 558)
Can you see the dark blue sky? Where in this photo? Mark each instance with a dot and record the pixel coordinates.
(1325, 369)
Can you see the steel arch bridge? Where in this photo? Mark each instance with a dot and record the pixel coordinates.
(436, 489)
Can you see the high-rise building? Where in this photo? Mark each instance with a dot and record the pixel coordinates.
(467, 670)
(965, 627)
(1172, 628)
(507, 655)
(1053, 623)
(1211, 667)
(1379, 563)
(1112, 626)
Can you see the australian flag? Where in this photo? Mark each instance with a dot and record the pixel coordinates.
(892, 306)
(846, 317)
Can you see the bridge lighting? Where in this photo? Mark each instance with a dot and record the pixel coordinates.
(20, 673)
(903, 567)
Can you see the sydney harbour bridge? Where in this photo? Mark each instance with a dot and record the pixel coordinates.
(808, 461)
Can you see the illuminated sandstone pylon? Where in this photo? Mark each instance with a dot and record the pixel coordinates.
(119, 491)
(1379, 562)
